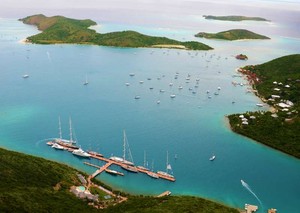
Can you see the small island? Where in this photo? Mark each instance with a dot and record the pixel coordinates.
(277, 83)
(234, 34)
(62, 30)
(234, 18)
(241, 57)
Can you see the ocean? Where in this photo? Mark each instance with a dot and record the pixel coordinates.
(192, 126)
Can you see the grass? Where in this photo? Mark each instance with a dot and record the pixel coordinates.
(59, 29)
(282, 132)
(234, 34)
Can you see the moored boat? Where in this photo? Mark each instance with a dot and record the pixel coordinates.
(79, 152)
(129, 168)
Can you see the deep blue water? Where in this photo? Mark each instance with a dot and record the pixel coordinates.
(192, 126)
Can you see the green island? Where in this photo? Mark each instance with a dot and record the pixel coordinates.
(234, 34)
(33, 184)
(59, 29)
(277, 83)
(234, 18)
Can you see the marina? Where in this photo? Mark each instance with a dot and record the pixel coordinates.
(109, 162)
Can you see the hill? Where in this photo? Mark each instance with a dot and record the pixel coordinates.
(234, 18)
(32, 184)
(278, 83)
(59, 29)
(235, 34)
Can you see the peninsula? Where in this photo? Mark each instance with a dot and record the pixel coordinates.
(59, 29)
(33, 184)
(234, 18)
(234, 34)
(277, 83)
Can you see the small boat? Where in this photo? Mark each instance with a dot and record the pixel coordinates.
(153, 175)
(148, 79)
(79, 152)
(50, 143)
(25, 76)
(162, 91)
(141, 82)
(172, 96)
(180, 87)
(212, 158)
(259, 105)
(113, 172)
(127, 84)
(131, 74)
(158, 102)
(216, 93)
(57, 146)
(151, 88)
(86, 81)
(170, 84)
(137, 97)
(129, 168)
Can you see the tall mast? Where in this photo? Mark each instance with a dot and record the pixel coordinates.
(59, 128)
(124, 145)
(70, 123)
(144, 158)
(167, 161)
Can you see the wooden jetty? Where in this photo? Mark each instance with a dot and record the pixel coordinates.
(109, 162)
(166, 193)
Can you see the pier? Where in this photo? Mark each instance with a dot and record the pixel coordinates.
(166, 193)
(109, 162)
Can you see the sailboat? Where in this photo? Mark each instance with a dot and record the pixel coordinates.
(144, 167)
(86, 81)
(126, 164)
(55, 144)
(151, 173)
(25, 76)
(168, 169)
(64, 142)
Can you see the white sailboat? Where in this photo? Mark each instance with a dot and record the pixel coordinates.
(168, 168)
(151, 173)
(144, 167)
(126, 164)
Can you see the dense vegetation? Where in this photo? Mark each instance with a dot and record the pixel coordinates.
(235, 34)
(32, 184)
(169, 205)
(234, 18)
(59, 29)
(279, 129)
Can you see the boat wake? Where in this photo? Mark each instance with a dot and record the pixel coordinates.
(49, 57)
(250, 190)
(43, 140)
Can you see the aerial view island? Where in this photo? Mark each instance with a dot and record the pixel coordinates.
(234, 18)
(231, 35)
(125, 106)
(59, 29)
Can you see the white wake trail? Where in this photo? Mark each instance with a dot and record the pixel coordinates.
(249, 189)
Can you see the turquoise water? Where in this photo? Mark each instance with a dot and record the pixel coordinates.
(192, 126)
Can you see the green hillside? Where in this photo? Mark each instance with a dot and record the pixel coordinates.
(277, 82)
(32, 184)
(59, 29)
(235, 34)
(234, 18)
